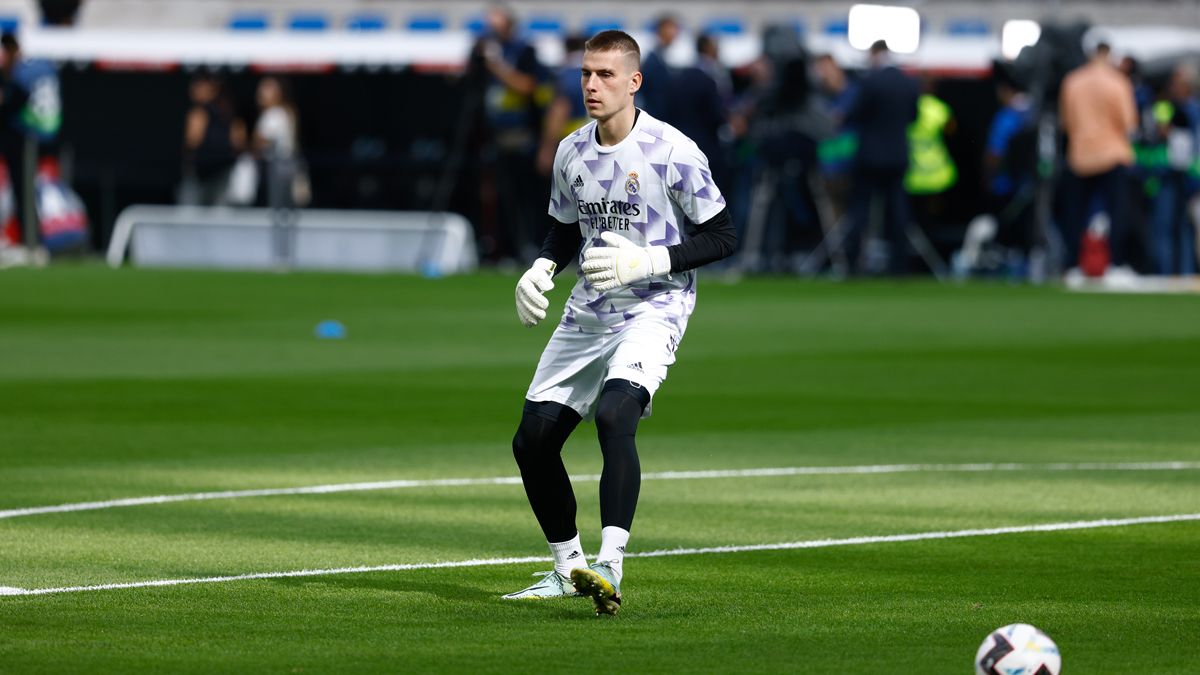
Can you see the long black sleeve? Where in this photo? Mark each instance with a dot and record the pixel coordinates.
(711, 241)
(562, 244)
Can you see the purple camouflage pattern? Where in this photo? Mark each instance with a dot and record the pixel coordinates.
(672, 185)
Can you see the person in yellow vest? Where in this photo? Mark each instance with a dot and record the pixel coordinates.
(931, 170)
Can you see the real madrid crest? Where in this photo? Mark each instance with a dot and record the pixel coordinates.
(631, 184)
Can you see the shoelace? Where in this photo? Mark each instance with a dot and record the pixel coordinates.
(546, 579)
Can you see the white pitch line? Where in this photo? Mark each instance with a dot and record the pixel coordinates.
(488, 562)
(592, 478)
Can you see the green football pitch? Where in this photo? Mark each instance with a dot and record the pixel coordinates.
(888, 410)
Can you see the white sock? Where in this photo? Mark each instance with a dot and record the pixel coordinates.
(612, 548)
(568, 555)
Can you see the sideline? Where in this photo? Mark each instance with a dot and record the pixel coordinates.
(593, 478)
(486, 562)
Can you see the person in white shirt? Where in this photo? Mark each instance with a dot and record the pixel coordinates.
(275, 132)
(277, 146)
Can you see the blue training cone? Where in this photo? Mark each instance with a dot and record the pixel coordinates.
(330, 330)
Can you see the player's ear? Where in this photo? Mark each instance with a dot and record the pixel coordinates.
(635, 82)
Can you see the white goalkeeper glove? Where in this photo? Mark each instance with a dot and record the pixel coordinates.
(531, 301)
(623, 262)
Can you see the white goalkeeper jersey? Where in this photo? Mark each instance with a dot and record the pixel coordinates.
(644, 188)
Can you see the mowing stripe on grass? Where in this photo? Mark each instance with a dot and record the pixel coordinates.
(593, 478)
(487, 562)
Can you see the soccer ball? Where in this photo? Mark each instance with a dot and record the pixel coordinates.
(1018, 649)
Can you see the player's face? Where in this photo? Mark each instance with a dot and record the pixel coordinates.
(609, 82)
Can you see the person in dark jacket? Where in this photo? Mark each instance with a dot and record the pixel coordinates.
(886, 104)
(696, 108)
(213, 138)
(654, 96)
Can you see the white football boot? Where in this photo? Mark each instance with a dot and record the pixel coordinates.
(553, 585)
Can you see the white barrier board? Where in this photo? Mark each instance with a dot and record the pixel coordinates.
(244, 238)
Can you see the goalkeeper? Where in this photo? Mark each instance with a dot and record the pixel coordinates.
(633, 198)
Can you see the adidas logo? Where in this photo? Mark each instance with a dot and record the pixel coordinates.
(578, 184)
(574, 555)
(621, 549)
(637, 366)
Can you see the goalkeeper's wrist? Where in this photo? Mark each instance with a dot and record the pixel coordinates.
(660, 260)
(546, 265)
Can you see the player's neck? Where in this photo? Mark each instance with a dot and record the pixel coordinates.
(616, 127)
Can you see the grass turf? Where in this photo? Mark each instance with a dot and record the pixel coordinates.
(134, 383)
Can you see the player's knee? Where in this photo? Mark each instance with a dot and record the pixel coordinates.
(541, 431)
(522, 448)
(529, 441)
(610, 421)
(620, 407)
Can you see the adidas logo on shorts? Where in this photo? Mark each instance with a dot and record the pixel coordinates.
(637, 366)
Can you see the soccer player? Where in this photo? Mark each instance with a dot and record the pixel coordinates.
(633, 198)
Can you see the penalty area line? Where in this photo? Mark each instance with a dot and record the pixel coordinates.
(489, 562)
(869, 469)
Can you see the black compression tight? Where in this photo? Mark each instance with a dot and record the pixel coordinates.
(617, 414)
(537, 448)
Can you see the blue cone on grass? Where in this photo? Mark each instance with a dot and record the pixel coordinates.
(330, 330)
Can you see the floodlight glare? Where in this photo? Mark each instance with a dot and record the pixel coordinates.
(900, 27)
(1017, 35)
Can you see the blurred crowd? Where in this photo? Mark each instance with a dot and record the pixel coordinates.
(1113, 149)
(226, 163)
(827, 170)
(36, 203)
(813, 162)
(1150, 160)
(830, 171)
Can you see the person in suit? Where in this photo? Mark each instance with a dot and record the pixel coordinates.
(886, 104)
(654, 96)
(695, 105)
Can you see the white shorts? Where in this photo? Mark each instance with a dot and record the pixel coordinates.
(575, 366)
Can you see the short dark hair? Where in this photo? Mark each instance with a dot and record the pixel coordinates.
(879, 47)
(618, 41)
